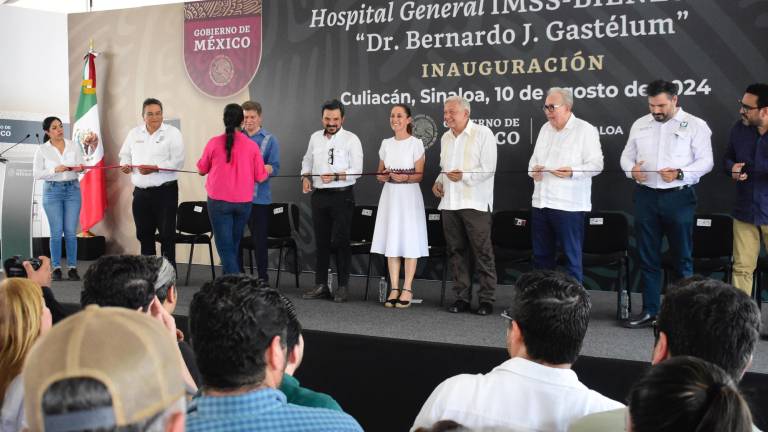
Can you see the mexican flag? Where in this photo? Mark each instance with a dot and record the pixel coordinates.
(92, 186)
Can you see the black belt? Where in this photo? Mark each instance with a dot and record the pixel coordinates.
(672, 189)
(338, 189)
(166, 184)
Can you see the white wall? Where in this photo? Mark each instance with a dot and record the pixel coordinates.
(34, 77)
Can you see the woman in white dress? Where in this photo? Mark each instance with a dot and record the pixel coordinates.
(401, 226)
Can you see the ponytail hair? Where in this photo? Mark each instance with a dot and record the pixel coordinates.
(687, 394)
(47, 126)
(233, 118)
(407, 109)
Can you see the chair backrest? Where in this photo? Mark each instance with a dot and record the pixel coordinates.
(511, 229)
(606, 232)
(363, 222)
(192, 217)
(712, 236)
(435, 234)
(283, 219)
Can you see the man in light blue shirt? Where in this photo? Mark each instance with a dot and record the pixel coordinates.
(262, 193)
(239, 336)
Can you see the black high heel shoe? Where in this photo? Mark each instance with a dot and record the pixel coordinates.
(401, 304)
(390, 303)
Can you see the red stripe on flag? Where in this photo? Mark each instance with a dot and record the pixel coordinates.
(92, 70)
(94, 197)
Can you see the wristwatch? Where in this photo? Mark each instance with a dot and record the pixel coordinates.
(680, 174)
(336, 177)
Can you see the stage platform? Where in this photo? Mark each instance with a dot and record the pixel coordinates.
(429, 321)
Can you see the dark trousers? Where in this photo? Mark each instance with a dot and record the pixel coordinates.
(228, 221)
(468, 232)
(550, 227)
(259, 226)
(332, 218)
(154, 209)
(659, 213)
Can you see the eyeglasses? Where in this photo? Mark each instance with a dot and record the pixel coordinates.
(656, 330)
(551, 107)
(330, 156)
(746, 108)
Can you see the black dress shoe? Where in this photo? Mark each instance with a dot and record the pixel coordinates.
(56, 274)
(340, 296)
(72, 274)
(485, 309)
(318, 292)
(458, 306)
(643, 320)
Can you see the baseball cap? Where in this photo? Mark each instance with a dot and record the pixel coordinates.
(130, 353)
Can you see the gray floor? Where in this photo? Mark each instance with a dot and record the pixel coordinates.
(430, 322)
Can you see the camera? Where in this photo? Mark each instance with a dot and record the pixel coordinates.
(14, 268)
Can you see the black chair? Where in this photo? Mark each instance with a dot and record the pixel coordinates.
(281, 234)
(712, 247)
(363, 223)
(511, 238)
(606, 244)
(436, 244)
(193, 227)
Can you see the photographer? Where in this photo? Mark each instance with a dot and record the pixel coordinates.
(38, 271)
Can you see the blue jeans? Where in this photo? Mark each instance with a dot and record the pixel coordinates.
(228, 221)
(61, 201)
(550, 227)
(658, 213)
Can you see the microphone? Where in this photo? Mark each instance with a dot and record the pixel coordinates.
(4, 160)
(37, 137)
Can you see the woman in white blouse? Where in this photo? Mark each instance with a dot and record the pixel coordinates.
(23, 318)
(57, 161)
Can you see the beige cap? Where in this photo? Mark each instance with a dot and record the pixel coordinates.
(129, 352)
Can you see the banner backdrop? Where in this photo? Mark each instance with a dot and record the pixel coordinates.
(503, 55)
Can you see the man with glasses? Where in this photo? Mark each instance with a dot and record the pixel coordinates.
(746, 162)
(332, 164)
(535, 389)
(566, 157)
(667, 152)
(149, 154)
(703, 318)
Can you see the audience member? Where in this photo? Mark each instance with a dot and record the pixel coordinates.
(166, 293)
(703, 318)
(536, 389)
(294, 342)
(129, 281)
(105, 369)
(239, 338)
(687, 394)
(23, 318)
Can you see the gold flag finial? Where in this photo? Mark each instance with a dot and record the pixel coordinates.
(90, 44)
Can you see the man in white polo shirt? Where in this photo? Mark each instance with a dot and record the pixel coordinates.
(535, 390)
(465, 189)
(146, 151)
(566, 157)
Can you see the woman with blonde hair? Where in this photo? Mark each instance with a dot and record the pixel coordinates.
(23, 318)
